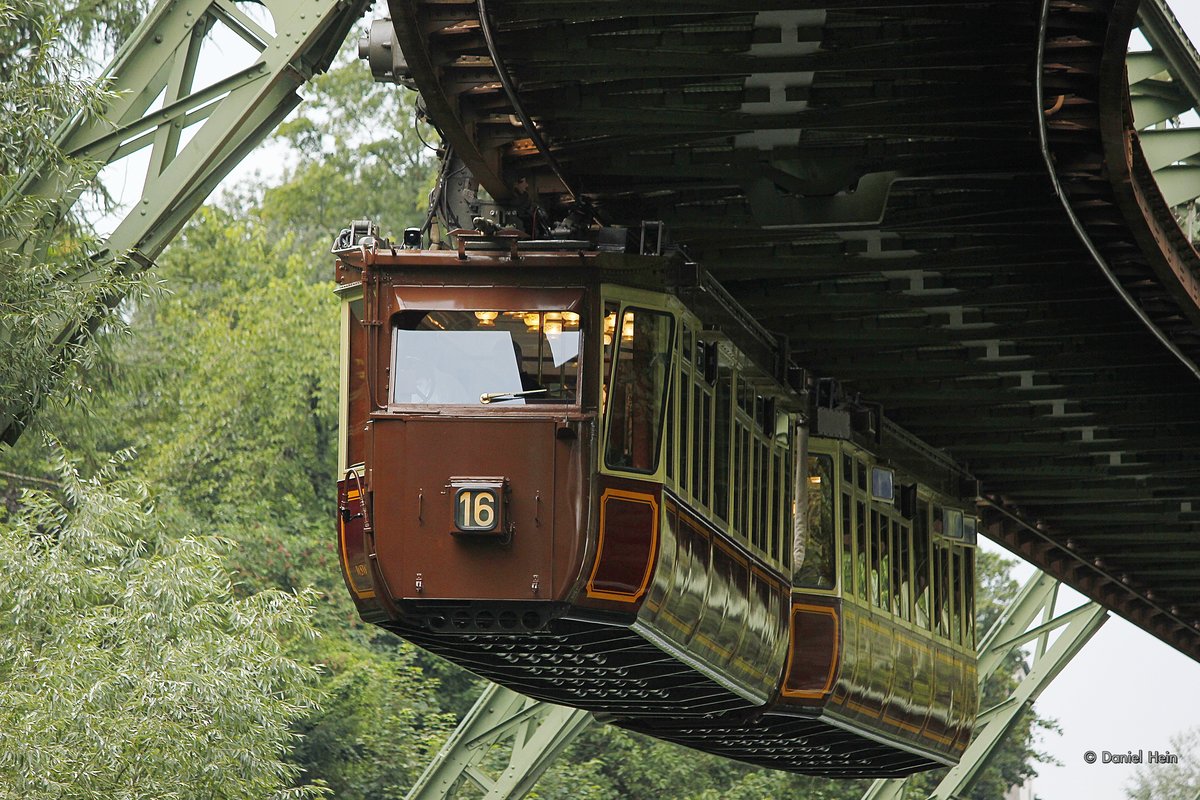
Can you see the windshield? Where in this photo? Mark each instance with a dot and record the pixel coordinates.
(485, 357)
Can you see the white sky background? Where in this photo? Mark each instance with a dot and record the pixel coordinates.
(1125, 691)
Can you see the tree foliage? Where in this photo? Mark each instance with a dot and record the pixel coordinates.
(1171, 781)
(128, 668)
(359, 151)
(135, 665)
(53, 296)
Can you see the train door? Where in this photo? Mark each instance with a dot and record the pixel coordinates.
(637, 358)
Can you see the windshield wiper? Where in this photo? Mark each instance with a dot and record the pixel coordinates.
(500, 397)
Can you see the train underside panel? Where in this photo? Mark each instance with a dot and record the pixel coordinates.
(612, 671)
(607, 669)
(791, 744)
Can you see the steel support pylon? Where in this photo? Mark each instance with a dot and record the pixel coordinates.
(1030, 618)
(194, 135)
(534, 732)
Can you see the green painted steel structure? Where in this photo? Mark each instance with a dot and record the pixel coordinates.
(1164, 84)
(157, 100)
(532, 734)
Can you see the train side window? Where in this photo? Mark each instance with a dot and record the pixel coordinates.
(910, 578)
(956, 603)
(722, 420)
(921, 565)
(739, 478)
(774, 532)
(862, 555)
(748, 462)
(780, 488)
(880, 594)
(762, 475)
(942, 590)
(901, 587)
(637, 398)
(699, 442)
(812, 551)
(753, 485)
(609, 326)
(355, 379)
(745, 465)
(788, 509)
(969, 602)
(847, 527)
(705, 442)
(895, 556)
(937, 590)
(685, 394)
(674, 436)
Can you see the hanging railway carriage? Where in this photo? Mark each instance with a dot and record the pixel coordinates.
(590, 477)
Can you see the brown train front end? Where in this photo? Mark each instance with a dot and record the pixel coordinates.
(561, 476)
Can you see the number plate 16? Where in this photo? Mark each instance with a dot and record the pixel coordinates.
(476, 509)
(479, 505)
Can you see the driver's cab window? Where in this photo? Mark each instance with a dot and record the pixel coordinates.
(637, 396)
(485, 357)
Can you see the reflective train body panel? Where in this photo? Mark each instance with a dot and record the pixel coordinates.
(575, 474)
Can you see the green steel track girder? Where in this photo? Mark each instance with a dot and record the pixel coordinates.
(1030, 618)
(1164, 83)
(534, 732)
(154, 76)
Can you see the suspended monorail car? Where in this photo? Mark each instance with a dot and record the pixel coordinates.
(590, 477)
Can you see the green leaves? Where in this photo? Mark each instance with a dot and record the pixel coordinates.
(128, 667)
(380, 725)
(49, 283)
(1166, 780)
(358, 154)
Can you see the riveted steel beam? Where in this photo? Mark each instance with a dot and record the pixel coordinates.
(1165, 84)
(533, 732)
